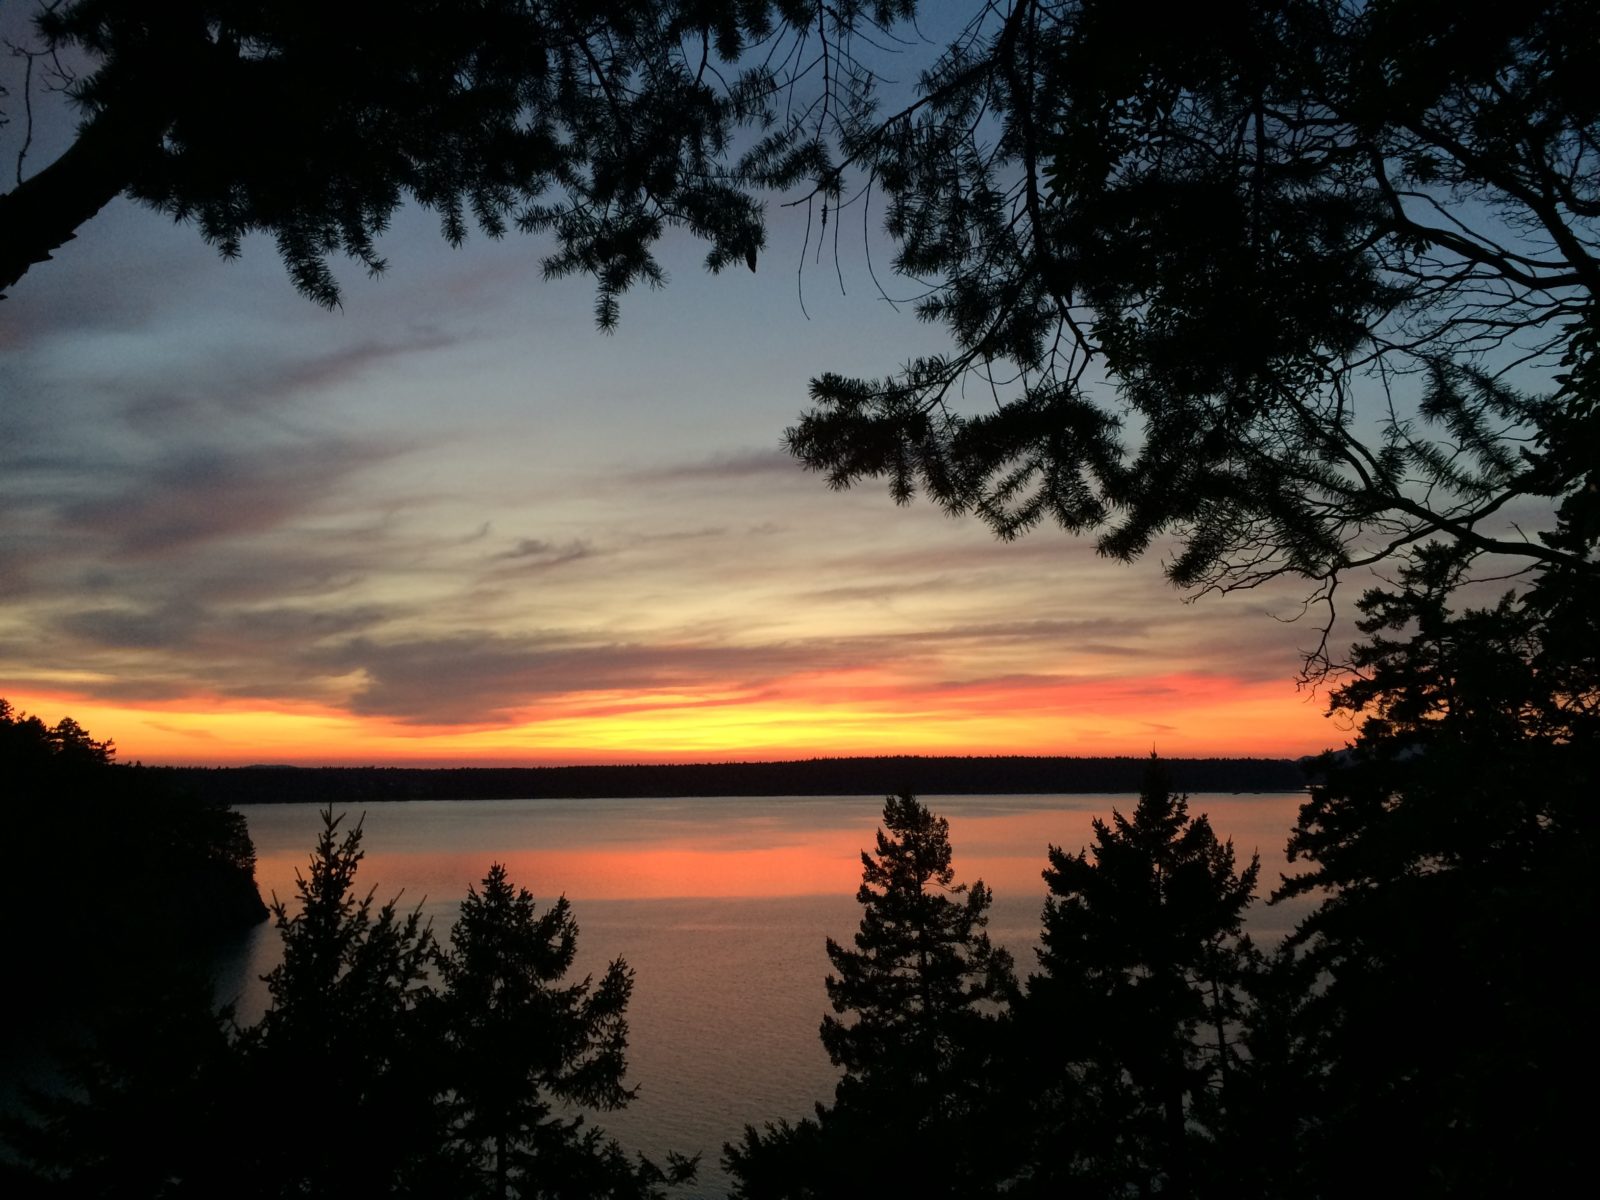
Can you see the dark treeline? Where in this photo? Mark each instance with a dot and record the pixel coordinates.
(947, 776)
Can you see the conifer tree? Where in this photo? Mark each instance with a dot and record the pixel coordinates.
(918, 1004)
(521, 1045)
(1132, 1019)
(1452, 849)
(923, 969)
(344, 1043)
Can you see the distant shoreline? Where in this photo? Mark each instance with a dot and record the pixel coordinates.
(920, 775)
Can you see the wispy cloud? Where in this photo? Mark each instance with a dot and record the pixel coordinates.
(536, 554)
(487, 678)
(725, 467)
(267, 376)
(200, 495)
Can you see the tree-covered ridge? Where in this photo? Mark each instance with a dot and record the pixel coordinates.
(86, 830)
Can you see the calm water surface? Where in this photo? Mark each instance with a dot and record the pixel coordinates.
(721, 906)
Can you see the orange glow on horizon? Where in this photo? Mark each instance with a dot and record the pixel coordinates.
(844, 714)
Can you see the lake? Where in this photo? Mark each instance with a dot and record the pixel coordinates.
(721, 906)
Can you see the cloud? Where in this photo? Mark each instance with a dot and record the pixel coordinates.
(183, 731)
(193, 496)
(687, 535)
(269, 375)
(20, 555)
(277, 633)
(485, 678)
(165, 628)
(726, 467)
(1017, 682)
(536, 554)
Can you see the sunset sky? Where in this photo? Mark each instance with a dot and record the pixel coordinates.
(453, 524)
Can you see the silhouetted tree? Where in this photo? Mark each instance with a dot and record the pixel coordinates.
(35, 755)
(396, 1087)
(1242, 220)
(1450, 1026)
(601, 123)
(345, 1042)
(1131, 1025)
(521, 1047)
(919, 1004)
(1249, 277)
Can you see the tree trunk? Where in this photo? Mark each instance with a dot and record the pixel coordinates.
(42, 213)
(1177, 1141)
(1222, 1036)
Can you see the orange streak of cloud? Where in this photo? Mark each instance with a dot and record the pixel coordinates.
(840, 713)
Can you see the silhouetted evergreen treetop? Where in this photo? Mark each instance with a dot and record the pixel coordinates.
(923, 968)
(36, 755)
(344, 1037)
(1454, 845)
(520, 1044)
(1485, 719)
(1131, 1026)
(919, 1008)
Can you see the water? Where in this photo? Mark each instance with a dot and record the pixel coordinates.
(721, 906)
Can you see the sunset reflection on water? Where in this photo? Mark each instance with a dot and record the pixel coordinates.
(722, 847)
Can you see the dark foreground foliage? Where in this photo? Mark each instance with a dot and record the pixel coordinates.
(1244, 280)
(1451, 1031)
